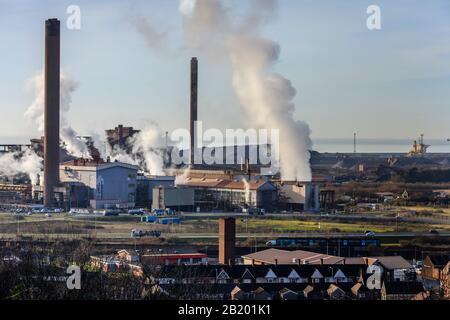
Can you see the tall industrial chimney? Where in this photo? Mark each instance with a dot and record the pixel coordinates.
(51, 115)
(193, 108)
(227, 240)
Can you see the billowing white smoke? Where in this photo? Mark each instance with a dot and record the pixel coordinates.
(147, 150)
(101, 145)
(266, 96)
(120, 155)
(27, 162)
(74, 145)
(149, 144)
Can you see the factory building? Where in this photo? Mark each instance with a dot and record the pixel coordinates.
(15, 194)
(219, 194)
(297, 196)
(180, 199)
(145, 186)
(119, 135)
(99, 185)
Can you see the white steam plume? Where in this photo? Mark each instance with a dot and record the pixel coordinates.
(149, 143)
(266, 96)
(27, 162)
(74, 145)
(146, 150)
(100, 144)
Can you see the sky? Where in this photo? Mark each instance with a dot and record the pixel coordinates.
(388, 83)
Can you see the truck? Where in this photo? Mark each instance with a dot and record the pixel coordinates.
(136, 233)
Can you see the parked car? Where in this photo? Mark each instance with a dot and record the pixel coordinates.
(138, 212)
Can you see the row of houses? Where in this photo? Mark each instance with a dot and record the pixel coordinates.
(282, 282)
(281, 274)
(394, 268)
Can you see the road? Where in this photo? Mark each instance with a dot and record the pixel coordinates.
(198, 236)
(359, 217)
(310, 235)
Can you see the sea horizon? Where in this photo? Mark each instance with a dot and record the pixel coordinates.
(335, 145)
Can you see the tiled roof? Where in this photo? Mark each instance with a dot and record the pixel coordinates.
(277, 256)
(391, 263)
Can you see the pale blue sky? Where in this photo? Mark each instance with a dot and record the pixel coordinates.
(389, 83)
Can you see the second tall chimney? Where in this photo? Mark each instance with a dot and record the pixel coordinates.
(193, 107)
(51, 112)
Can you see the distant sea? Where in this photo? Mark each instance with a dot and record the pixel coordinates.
(377, 145)
(14, 140)
(335, 145)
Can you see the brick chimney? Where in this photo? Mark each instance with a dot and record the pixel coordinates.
(227, 240)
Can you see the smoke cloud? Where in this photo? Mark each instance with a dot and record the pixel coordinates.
(154, 37)
(35, 112)
(149, 143)
(266, 96)
(146, 149)
(27, 162)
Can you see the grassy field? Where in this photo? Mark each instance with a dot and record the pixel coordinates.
(116, 227)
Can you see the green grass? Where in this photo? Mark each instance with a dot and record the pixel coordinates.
(292, 226)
